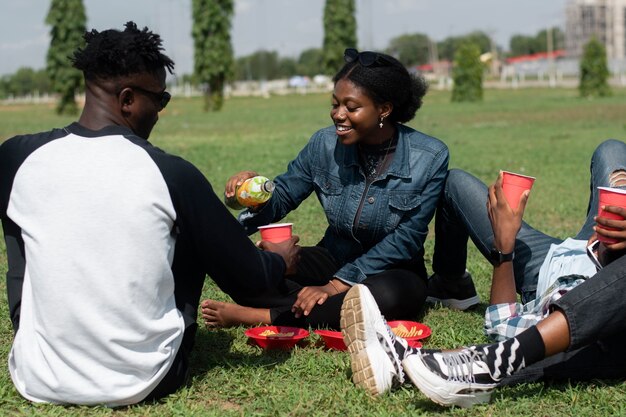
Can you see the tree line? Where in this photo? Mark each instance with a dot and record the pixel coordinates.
(215, 64)
(410, 49)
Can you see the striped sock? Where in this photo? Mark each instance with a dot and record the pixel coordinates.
(505, 358)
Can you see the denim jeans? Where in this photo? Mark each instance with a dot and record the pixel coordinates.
(462, 214)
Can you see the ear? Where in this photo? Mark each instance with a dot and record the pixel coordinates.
(386, 109)
(126, 99)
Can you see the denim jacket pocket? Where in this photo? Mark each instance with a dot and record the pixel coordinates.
(330, 193)
(400, 203)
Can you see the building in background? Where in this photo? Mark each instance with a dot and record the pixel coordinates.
(604, 19)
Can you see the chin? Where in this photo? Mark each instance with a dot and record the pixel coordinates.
(348, 140)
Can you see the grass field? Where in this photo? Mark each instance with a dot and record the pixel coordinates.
(549, 134)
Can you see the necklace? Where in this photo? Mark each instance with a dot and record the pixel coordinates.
(373, 164)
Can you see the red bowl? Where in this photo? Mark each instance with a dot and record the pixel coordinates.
(414, 343)
(411, 331)
(332, 339)
(276, 337)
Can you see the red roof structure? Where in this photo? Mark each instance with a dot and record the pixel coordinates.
(535, 57)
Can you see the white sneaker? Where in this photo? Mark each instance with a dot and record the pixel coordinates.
(460, 378)
(376, 366)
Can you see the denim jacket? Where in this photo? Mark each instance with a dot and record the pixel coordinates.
(397, 206)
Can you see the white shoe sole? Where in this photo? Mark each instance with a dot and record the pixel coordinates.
(444, 392)
(371, 367)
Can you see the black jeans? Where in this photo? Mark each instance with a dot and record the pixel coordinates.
(596, 315)
(400, 292)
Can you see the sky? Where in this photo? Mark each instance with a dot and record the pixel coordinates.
(285, 26)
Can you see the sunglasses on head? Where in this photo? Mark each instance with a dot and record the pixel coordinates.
(365, 58)
(162, 98)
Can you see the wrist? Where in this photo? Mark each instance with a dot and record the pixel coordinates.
(504, 245)
(498, 257)
(332, 284)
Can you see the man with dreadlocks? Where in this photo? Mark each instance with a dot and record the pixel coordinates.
(109, 239)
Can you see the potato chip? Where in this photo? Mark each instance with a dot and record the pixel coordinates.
(402, 331)
(288, 334)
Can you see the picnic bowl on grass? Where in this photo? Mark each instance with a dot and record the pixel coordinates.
(411, 331)
(332, 339)
(276, 337)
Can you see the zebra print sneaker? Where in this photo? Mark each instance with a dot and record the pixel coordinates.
(375, 351)
(462, 378)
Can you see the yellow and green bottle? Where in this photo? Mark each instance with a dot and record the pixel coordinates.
(251, 193)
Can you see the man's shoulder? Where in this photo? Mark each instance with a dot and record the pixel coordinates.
(177, 171)
(15, 150)
(31, 140)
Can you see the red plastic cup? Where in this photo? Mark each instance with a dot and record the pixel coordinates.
(610, 197)
(513, 185)
(275, 233)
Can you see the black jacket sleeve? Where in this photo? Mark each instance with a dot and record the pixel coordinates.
(220, 242)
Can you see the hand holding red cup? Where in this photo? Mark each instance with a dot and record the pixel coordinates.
(610, 197)
(514, 185)
(276, 233)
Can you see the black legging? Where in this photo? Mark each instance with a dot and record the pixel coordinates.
(400, 292)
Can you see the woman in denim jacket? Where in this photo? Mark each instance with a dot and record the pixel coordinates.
(378, 181)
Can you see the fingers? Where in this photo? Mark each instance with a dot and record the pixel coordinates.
(522, 201)
(618, 224)
(615, 210)
(610, 235)
(236, 180)
(308, 298)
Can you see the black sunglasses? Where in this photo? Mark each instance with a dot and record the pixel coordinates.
(366, 58)
(162, 98)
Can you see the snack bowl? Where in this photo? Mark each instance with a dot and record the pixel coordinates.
(411, 331)
(276, 337)
(414, 343)
(332, 339)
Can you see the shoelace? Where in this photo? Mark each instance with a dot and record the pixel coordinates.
(391, 351)
(461, 365)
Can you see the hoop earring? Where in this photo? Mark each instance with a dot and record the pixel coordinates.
(380, 125)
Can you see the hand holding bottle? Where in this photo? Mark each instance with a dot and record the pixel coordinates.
(235, 181)
(250, 191)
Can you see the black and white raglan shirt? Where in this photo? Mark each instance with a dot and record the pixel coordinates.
(109, 240)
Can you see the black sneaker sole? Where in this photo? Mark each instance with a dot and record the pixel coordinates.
(454, 303)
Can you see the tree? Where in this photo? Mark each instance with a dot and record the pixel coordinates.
(339, 32)
(594, 71)
(413, 49)
(213, 51)
(27, 81)
(448, 47)
(261, 65)
(558, 39)
(311, 62)
(67, 20)
(286, 67)
(467, 73)
(526, 45)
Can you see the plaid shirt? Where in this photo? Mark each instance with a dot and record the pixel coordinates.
(507, 320)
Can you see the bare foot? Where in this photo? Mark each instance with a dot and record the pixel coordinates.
(221, 314)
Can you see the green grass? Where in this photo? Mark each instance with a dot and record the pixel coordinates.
(549, 134)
